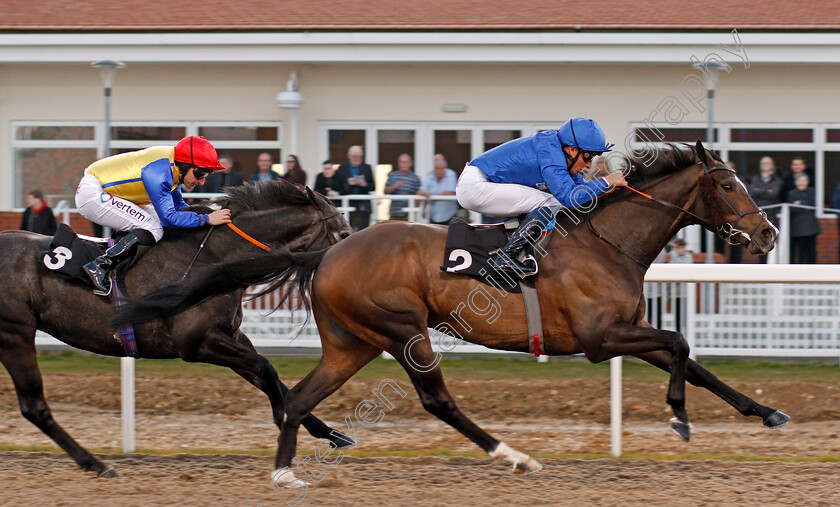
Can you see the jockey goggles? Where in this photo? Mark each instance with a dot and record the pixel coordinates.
(201, 172)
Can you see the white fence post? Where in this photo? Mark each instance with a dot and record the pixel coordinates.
(127, 386)
(615, 406)
(691, 318)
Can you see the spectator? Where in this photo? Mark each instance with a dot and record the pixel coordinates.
(402, 181)
(804, 226)
(766, 187)
(835, 203)
(360, 180)
(679, 254)
(797, 166)
(442, 181)
(38, 217)
(227, 177)
(264, 172)
(294, 172)
(331, 182)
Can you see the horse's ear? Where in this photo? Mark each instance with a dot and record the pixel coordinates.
(701, 152)
(311, 195)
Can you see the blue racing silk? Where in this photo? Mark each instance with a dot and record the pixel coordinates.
(538, 161)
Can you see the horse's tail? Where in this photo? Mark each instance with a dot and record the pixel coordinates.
(275, 269)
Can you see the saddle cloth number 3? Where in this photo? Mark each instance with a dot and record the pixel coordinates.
(58, 258)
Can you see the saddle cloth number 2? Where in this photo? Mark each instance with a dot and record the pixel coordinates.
(58, 258)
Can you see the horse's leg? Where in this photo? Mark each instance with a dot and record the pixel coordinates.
(18, 355)
(701, 377)
(343, 355)
(238, 354)
(417, 358)
(631, 340)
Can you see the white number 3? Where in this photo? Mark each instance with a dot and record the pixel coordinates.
(58, 258)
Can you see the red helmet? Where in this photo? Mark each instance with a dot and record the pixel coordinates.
(198, 152)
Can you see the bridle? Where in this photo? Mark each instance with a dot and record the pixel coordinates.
(726, 231)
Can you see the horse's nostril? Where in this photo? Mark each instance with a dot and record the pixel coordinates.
(767, 233)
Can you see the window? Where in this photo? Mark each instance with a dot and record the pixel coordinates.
(393, 143)
(677, 135)
(341, 140)
(239, 133)
(52, 156)
(54, 133)
(832, 176)
(130, 133)
(54, 171)
(455, 146)
(493, 138)
(738, 135)
(747, 162)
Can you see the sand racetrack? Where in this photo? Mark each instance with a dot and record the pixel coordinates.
(221, 413)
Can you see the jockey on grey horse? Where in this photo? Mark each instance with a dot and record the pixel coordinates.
(141, 192)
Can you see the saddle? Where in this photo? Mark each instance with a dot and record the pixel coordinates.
(467, 251)
(69, 252)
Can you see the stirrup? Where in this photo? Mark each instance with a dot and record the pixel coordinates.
(103, 294)
(520, 268)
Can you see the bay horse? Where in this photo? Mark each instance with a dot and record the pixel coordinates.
(382, 288)
(276, 213)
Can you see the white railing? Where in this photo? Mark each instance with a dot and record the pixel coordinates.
(704, 273)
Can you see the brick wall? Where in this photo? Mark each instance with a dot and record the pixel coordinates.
(10, 220)
(827, 242)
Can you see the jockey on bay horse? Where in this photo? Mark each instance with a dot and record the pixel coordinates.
(140, 192)
(537, 175)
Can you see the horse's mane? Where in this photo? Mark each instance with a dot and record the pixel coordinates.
(262, 196)
(248, 197)
(670, 159)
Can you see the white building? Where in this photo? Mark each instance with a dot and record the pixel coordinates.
(456, 77)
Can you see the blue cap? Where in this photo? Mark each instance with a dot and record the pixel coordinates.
(585, 134)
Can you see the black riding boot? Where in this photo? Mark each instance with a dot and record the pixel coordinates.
(537, 224)
(98, 268)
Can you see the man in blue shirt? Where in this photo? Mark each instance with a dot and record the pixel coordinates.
(442, 181)
(402, 181)
(537, 175)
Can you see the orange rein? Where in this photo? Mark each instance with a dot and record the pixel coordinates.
(248, 238)
(640, 193)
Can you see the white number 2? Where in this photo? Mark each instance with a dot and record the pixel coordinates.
(58, 258)
(460, 253)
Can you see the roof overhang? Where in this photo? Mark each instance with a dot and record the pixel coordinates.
(413, 47)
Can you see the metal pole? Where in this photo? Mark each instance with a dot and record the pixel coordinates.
(107, 149)
(615, 406)
(293, 135)
(710, 236)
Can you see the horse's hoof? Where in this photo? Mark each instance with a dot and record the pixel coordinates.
(522, 463)
(776, 419)
(529, 466)
(284, 478)
(109, 473)
(340, 440)
(682, 429)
